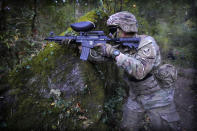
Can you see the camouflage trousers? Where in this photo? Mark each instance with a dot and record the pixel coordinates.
(154, 109)
(135, 117)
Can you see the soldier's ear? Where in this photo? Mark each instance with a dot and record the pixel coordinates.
(120, 33)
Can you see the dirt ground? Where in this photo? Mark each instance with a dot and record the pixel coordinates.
(185, 98)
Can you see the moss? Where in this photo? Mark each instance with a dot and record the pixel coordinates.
(30, 78)
(114, 94)
(97, 16)
(32, 114)
(28, 93)
(90, 16)
(45, 61)
(15, 91)
(95, 99)
(42, 65)
(19, 76)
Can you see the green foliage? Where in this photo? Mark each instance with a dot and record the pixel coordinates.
(170, 23)
(97, 16)
(173, 27)
(22, 23)
(143, 25)
(55, 18)
(113, 106)
(114, 93)
(39, 64)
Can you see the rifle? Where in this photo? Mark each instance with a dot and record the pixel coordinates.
(89, 39)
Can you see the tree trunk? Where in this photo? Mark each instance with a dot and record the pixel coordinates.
(121, 5)
(74, 8)
(2, 16)
(33, 27)
(115, 6)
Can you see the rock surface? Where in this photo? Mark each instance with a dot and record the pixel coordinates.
(185, 98)
(54, 90)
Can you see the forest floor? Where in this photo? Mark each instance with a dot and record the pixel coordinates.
(185, 97)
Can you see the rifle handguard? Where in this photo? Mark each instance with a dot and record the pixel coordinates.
(89, 39)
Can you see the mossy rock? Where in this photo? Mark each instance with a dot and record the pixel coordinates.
(96, 16)
(55, 90)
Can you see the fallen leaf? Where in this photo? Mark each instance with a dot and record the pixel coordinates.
(52, 104)
(16, 38)
(77, 105)
(54, 127)
(68, 111)
(83, 118)
(87, 123)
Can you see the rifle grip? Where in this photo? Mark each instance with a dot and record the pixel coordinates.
(85, 53)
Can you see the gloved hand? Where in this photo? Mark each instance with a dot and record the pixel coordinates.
(66, 41)
(106, 50)
(109, 50)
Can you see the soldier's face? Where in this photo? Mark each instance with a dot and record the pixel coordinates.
(113, 31)
(120, 33)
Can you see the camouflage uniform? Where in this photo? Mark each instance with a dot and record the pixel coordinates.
(142, 70)
(146, 94)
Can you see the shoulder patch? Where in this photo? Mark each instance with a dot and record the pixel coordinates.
(146, 51)
(145, 41)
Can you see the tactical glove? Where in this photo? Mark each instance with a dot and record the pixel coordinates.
(66, 42)
(107, 50)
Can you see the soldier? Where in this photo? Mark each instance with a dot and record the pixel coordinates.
(151, 86)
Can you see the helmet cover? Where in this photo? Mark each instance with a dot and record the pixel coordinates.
(125, 20)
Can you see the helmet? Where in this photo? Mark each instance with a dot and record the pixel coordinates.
(125, 20)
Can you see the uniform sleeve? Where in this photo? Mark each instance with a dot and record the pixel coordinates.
(140, 64)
